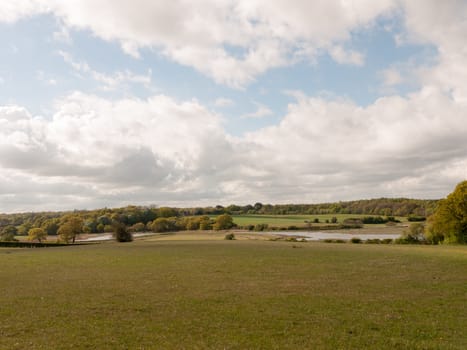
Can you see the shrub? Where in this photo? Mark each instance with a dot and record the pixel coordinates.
(223, 222)
(415, 218)
(121, 233)
(229, 237)
(355, 240)
(374, 220)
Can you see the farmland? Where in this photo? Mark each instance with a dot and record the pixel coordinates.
(293, 220)
(211, 294)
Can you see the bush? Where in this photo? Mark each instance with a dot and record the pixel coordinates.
(355, 240)
(121, 233)
(229, 237)
(223, 222)
(374, 220)
(414, 218)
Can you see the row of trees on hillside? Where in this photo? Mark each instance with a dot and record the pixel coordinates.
(70, 226)
(100, 220)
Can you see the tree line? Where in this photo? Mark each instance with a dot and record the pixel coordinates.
(100, 220)
(67, 225)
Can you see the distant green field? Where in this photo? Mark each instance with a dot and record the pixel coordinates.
(233, 295)
(288, 220)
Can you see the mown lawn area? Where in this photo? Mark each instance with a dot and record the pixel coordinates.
(293, 220)
(233, 295)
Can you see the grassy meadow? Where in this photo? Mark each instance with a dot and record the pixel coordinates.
(294, 220)
(244, 294)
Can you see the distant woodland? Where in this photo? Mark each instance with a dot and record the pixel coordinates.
(100, 220)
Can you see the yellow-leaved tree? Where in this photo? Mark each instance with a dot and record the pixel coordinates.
(449, 222)
(37, 233)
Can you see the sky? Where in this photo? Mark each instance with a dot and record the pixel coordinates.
(107, 103)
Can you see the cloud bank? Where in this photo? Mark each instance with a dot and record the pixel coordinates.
(92, 151)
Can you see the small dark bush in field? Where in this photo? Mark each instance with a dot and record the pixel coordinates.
(373, 241)
(292, 228)
(329, 240)
(386, 241)
(121, 233)
(316, 220)
(355, 240)
(374, 220)
(334, 220)
(229, 237)
(250, 227)
(415, 218)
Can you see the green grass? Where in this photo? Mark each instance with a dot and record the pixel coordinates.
(288, 220)
(233, 295)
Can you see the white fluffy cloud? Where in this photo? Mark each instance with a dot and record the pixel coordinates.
(160, 150)
(110, 148)
(230, 41)
(92, 151)
(334, 144)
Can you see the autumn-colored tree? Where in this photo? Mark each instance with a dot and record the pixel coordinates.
(223, 222)
(37, 233)
(205, 223)
(70, 228)
(8, 233)
(449, 222)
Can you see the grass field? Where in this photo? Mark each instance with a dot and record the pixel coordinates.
(215, 294)
(289, 220)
